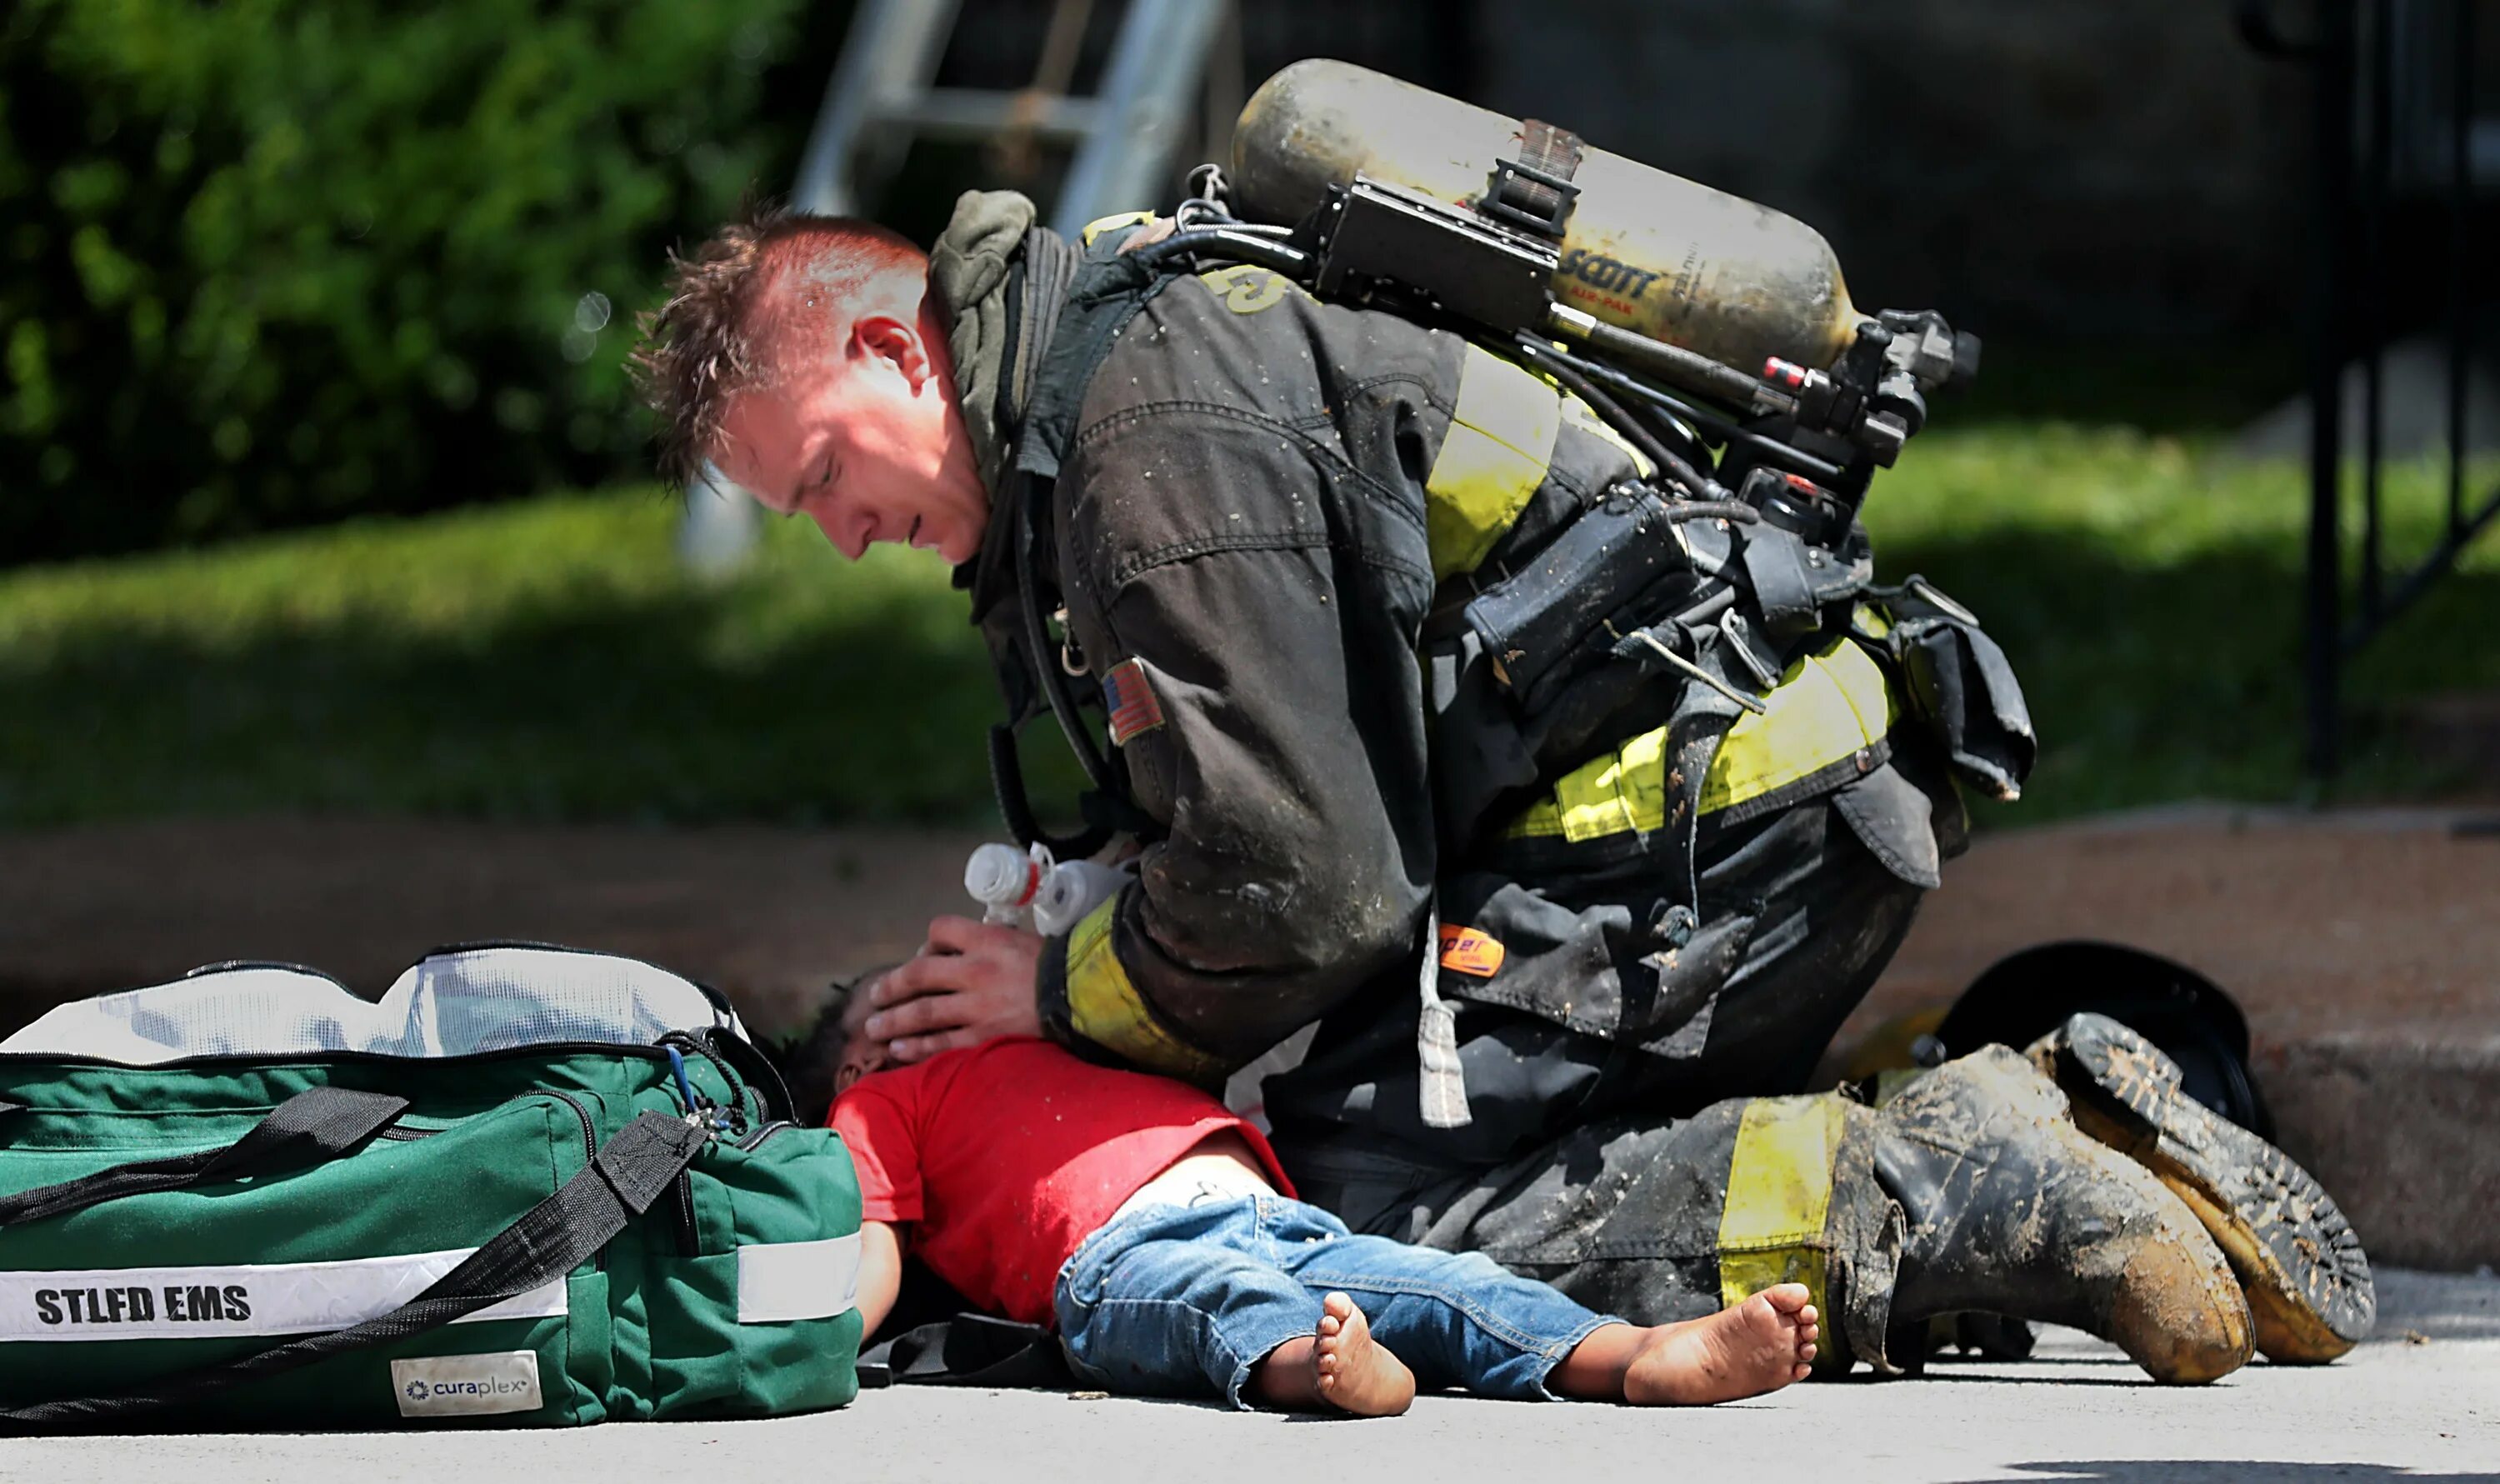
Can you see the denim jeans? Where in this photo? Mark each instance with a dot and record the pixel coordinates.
(1183, 1301)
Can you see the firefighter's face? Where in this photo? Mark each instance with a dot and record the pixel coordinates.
(863, 437)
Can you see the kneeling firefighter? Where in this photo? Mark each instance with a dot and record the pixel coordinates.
(1457, 528)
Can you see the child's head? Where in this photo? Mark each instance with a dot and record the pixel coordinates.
(836, 1051)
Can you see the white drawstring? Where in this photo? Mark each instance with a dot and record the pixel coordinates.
(1443, 1085)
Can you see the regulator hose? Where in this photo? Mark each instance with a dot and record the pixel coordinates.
(1243, 243)
(1698, 486)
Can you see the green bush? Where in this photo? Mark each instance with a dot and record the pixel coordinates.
(263, 263)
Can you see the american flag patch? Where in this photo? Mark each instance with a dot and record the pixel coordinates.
(1131, 701)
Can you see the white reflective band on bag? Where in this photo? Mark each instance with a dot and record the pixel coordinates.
(781, 1282)
(245, 1299)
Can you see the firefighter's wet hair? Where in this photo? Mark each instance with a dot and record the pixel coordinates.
(705, 344)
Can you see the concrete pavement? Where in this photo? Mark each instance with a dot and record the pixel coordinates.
(2419, 1401)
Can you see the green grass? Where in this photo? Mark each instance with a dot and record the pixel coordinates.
(543, 660)
(551, 660)
(2149, 590)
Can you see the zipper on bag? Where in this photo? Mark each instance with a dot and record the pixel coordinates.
(689, 1237)
(701, 1113)
(751, 1141)
(589, 1152)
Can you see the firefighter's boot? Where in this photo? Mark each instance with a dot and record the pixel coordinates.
(2011, 1210)
(2307, 1280)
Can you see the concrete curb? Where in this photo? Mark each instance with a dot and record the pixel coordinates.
(2364, 946)
(2402, 1132)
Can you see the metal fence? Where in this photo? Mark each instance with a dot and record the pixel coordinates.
(2393, 93)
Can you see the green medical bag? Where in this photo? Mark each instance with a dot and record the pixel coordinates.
(530, 1186)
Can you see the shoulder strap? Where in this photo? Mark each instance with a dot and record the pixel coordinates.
(1107, 291)
(310, 1128)
(551, 1238)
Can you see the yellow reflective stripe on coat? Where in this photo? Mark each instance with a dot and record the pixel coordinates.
(1779, 1193)
(1107, 1010)
(1621, 790)
(1828, 706)
(1497, 450)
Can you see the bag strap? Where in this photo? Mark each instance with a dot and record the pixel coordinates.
(310, 1128)
(551, 1238)
(969, 1350)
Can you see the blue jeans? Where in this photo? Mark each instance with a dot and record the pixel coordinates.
(1183, 1301)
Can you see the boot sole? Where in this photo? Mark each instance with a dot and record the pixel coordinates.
(2307, 1281)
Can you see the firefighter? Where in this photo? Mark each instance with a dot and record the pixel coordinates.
(1563, 971)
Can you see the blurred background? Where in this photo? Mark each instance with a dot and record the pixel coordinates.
(322, 490)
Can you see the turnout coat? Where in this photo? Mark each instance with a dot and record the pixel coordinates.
(1379, 623)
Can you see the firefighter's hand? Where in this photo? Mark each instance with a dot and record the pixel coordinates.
(970, 982)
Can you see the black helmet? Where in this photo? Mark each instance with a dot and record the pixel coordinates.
(2025, 997)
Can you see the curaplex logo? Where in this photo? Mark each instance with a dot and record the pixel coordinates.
(454, 1385)
(491, 1386)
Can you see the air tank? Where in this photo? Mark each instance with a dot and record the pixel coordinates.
(1653, 252)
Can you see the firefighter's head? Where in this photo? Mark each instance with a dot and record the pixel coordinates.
(804, 356)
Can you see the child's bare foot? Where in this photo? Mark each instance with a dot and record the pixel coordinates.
(1759, 1345)
(1341, 1369)
(1357, 1373)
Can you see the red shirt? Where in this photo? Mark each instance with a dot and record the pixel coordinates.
(1006, 1156)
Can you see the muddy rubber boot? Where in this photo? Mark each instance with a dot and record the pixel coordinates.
(2012, 1209)
(2307, 1280)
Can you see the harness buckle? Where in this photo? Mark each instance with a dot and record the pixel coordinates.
(1071, 658)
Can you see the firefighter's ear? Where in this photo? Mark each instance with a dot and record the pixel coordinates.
(895, 342)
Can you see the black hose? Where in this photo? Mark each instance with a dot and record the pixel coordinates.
(1657, 427)
(1039, 653)
(1696, 484)
(1015, 807)
(1696, 373)
(1248, 246)
(1657, 420)
(1769, 449)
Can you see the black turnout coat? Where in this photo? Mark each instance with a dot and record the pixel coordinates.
(1313, 562)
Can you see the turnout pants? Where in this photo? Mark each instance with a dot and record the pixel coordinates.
(1641, 1187)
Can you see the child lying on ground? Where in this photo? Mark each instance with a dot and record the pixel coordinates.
(1156, 1229)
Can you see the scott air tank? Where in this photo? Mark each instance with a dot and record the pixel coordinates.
(1653, 252)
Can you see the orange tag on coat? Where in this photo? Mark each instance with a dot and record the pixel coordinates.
(1464, 950)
